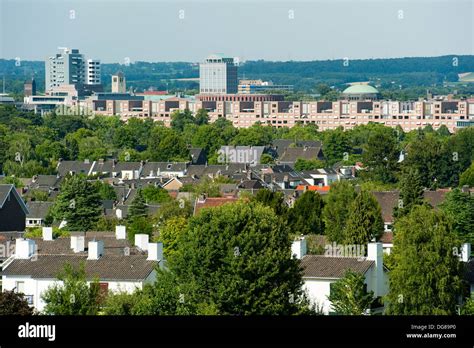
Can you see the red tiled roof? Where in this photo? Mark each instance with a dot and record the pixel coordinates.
(313, 188)
(387, 238)
(212, 202)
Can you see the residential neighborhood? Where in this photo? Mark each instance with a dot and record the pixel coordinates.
(300, 170)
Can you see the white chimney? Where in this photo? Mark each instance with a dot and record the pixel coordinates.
(47, 233)
(298, 248)
(141, 241)
(155, 252)
(96, 249)
(375, 253)
(24, 248)
(78, 243)
(466, 252)
(120, 232)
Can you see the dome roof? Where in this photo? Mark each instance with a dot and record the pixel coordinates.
(360, 89)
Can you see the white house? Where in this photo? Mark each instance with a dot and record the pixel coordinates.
(34, 267)
(320, 271)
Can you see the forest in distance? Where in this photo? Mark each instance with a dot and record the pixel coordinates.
(418, 73)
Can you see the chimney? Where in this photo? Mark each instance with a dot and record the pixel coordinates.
(141, 241)
(101, 161)
(78, 243)
(24, 248)
(120, 232)
(155, 252)
(465, 188)
(86, 161)
(298, 248)
(375, 253)
(47, 233)
(466, 252)
(96, 249)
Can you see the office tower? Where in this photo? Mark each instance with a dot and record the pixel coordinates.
(93, 72)
(218, 75)
(65, 68)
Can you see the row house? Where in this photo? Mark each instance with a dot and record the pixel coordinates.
(245, 110)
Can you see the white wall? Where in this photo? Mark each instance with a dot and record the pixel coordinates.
(318, 289)
(36, 287)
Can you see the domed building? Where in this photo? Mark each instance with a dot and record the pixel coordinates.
(361, 92)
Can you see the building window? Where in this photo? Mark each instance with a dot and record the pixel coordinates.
(20, 287)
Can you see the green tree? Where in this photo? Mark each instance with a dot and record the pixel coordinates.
(426, 155)
(266, 159)
(179, 119)
(138, 207)
(138, 225)
(336, 210)
(78, 203)
(427, 276)
(349, 296)
(236, 259)
(121, 303)
(304, 164)
(381, 156)
(13, 303)
(411, 192)
(201, 117)
(174, 208)
(364, 222)
(74, 296)
(335, 145)
(274, 200)
(459, 206)
(106, 191)
(155, 194)
(169, 235)
(467, 177)
(468, 307)
(305, 215)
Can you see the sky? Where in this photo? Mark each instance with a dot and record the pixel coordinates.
(279, 30)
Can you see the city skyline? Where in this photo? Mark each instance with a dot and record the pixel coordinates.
(272, 30)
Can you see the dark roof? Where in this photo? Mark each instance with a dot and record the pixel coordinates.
(388, 200)
(108, 267)
(126, 166)
(197, 155)
(291, 154)
(316, 266)
(64, 167)
(151, 210)
(250, 185)
(38, 210)
(103, 166)
(223, 169)
(46, 181)
(152, 168)
(281, 145)
(6, 191)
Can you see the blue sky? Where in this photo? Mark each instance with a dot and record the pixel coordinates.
(166, 30)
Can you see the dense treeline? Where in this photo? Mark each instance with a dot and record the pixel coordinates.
(305, 76)
(31, 144)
